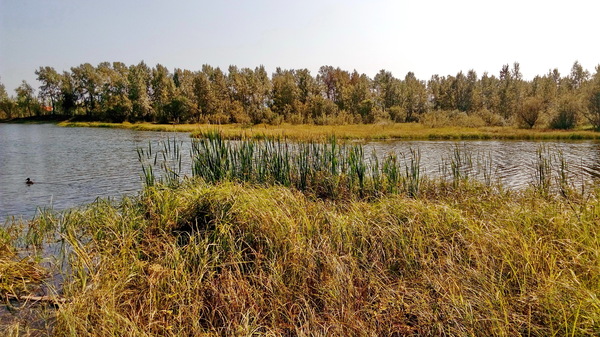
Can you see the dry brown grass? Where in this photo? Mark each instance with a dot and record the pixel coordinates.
(230, 259)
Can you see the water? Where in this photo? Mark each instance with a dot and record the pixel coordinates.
(74, 166)
(70, 166)
(512, 163)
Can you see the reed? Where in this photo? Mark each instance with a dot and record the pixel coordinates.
(412, 170)
(391, 172)
(543, 171)
(563, 179)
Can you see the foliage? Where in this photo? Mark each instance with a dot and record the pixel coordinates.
(592, 113)
(116, 92)
(566, 113)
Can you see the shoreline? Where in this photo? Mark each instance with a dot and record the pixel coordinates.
(311, 132)
(366, 132)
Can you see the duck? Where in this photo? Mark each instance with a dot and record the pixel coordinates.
(29, 181)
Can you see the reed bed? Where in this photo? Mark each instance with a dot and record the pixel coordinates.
(325, 170)
(276, 239)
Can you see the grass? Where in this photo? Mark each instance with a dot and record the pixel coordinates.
(404, 131)
(318, 239)
(237, 259)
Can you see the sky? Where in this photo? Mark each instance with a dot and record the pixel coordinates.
(426, 37)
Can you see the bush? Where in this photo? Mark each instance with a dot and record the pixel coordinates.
(530, 111)
(566, 114)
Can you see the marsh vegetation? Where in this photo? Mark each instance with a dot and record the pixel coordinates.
(315, 239)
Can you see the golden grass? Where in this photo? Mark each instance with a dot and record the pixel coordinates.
(237, 259)
(406, 131)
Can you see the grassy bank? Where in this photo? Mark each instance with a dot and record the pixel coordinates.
(237, 259)
(405, 131)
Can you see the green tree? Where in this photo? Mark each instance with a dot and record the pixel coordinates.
(490, 99)
(163, 91)
(86, 86)
(335, 83)
(359, 97)
(578, 77)
(68, 97)
(3, 94)
(139, 77)
(114, 102)
(7, 105)
(50, 90)
(26, 99)
(530, 111)
(414, 96)
(511, 90)
(592, 111)
(566, 112)
(285, 93)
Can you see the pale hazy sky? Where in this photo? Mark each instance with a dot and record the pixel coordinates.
(425, 37)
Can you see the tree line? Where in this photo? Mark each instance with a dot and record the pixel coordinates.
(116, 92)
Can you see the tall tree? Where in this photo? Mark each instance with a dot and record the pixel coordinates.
(387, 90)
(26, 98)
(285, 93)
(7, 105)
(163, 91)
(68, 96)
(86, 84)
(139, 77)
(577, 77)
(414, 97)
(592, 111)
(50, 88)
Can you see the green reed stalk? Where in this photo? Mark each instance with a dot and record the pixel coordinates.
(562, 178)
(412, 170)
(391, 173)
(543, 171)
(461, 164)
(358, 168)
(376, 174)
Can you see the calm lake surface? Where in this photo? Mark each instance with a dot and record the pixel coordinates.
(70, 166)
(74, 166)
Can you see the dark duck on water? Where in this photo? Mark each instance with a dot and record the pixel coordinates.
(29, 181)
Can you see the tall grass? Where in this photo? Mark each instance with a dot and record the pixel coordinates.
(232, 259)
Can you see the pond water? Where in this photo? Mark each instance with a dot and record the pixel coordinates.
(70, 167)
(74, 166)
(511, 163)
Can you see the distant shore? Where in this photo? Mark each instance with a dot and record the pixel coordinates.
(389, 131)
(392, 131)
